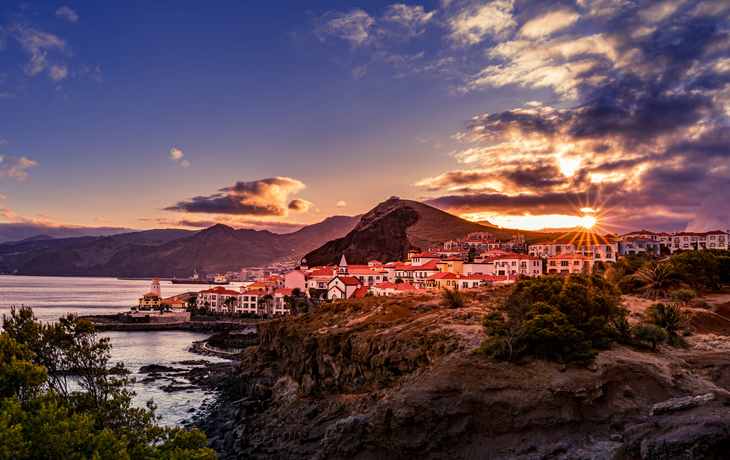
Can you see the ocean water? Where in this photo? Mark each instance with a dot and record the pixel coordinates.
(52, 297)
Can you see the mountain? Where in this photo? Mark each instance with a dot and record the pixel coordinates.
(394, 227)
(170, 252)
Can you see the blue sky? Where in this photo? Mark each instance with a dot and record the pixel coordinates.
(277, 114)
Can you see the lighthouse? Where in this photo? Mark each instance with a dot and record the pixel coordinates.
(155, 289)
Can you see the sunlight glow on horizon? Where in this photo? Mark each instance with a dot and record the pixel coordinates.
(529, 222)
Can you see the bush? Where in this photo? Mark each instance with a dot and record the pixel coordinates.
(555, 318)
(651, 334)
(669, 317)
(58, 399)
(682, 295)
(302, 307)
(453, 298)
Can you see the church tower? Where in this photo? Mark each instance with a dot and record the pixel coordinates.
(342, 271)
(155, 289)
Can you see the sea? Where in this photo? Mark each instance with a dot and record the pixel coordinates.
(53, 297)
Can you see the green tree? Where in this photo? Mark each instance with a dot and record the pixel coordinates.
(698, 269)
(302, 307)
(651, 334)
(556, 318)
(41, 417)
(296, 292)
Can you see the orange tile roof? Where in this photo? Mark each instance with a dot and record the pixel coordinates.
(360, 292)
(404, 287)
(150, 294)
(385, 285)
(443, 275)
(350, 280)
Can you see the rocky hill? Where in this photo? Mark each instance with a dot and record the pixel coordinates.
(167, 253)
(395, 378)
(394, 227)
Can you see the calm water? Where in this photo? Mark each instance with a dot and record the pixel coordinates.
(51, 297)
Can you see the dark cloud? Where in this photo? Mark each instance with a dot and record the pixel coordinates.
(648, 134)
(266, 197)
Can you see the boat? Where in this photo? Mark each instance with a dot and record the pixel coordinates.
(195, 279)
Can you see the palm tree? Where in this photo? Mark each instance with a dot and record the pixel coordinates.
(657, 279)
(669, 317)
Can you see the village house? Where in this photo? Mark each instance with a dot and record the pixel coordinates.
(342, 287)
(566, 264)
(638, 246)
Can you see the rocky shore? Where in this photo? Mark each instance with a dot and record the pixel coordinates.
(396, 378)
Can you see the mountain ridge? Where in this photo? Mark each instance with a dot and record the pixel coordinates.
(168, 252)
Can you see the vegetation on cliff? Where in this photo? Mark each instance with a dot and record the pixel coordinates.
(554, 318)
(59, 400)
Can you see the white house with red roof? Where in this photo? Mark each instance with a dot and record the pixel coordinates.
(216, 299)
(638, 246)
(342, 287)
(518, 264)
(566, 264)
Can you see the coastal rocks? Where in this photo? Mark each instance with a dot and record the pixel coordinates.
(157, 368)
(678, 404)
(368, 379)
(697, 433)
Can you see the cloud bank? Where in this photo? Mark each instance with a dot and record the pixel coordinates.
(265, 197)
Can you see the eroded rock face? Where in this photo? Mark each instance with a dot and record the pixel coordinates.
(368, 379)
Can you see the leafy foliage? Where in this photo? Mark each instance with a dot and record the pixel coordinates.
(705, 268)
(656, 279)
(453, 298)
(651, 334)
(59, 400)
(683, 296)
(554, 318)
(669, 317)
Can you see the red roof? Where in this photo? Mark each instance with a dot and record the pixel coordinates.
(350, 280)
(375, 262)
(254, 293)
(360, 292)
(283, 291)
(570, 256)
(404, 287)
(322, 272)
(454, 258)
(385, 285)
(257, 284)
(513, 255)
(641, 239)
(443, 275)
(427, 255)
(151, 294)
(219, 290)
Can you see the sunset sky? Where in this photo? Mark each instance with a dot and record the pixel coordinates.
(140, 115)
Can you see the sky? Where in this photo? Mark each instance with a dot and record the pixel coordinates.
(273, 115)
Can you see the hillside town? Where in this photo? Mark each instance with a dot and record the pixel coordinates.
(478, 259)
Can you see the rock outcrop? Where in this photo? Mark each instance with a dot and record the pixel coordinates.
(396, 378)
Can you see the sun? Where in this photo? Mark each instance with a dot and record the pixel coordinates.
(587, 221)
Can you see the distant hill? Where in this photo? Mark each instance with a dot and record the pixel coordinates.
(393, 227)
(169, 252)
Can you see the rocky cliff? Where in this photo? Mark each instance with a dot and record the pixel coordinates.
(396, 378)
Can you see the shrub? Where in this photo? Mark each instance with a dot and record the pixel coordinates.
(554, 318)
(651, 334)
(453, 298)
(682, 295)
(302, 307)
(669, 317)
